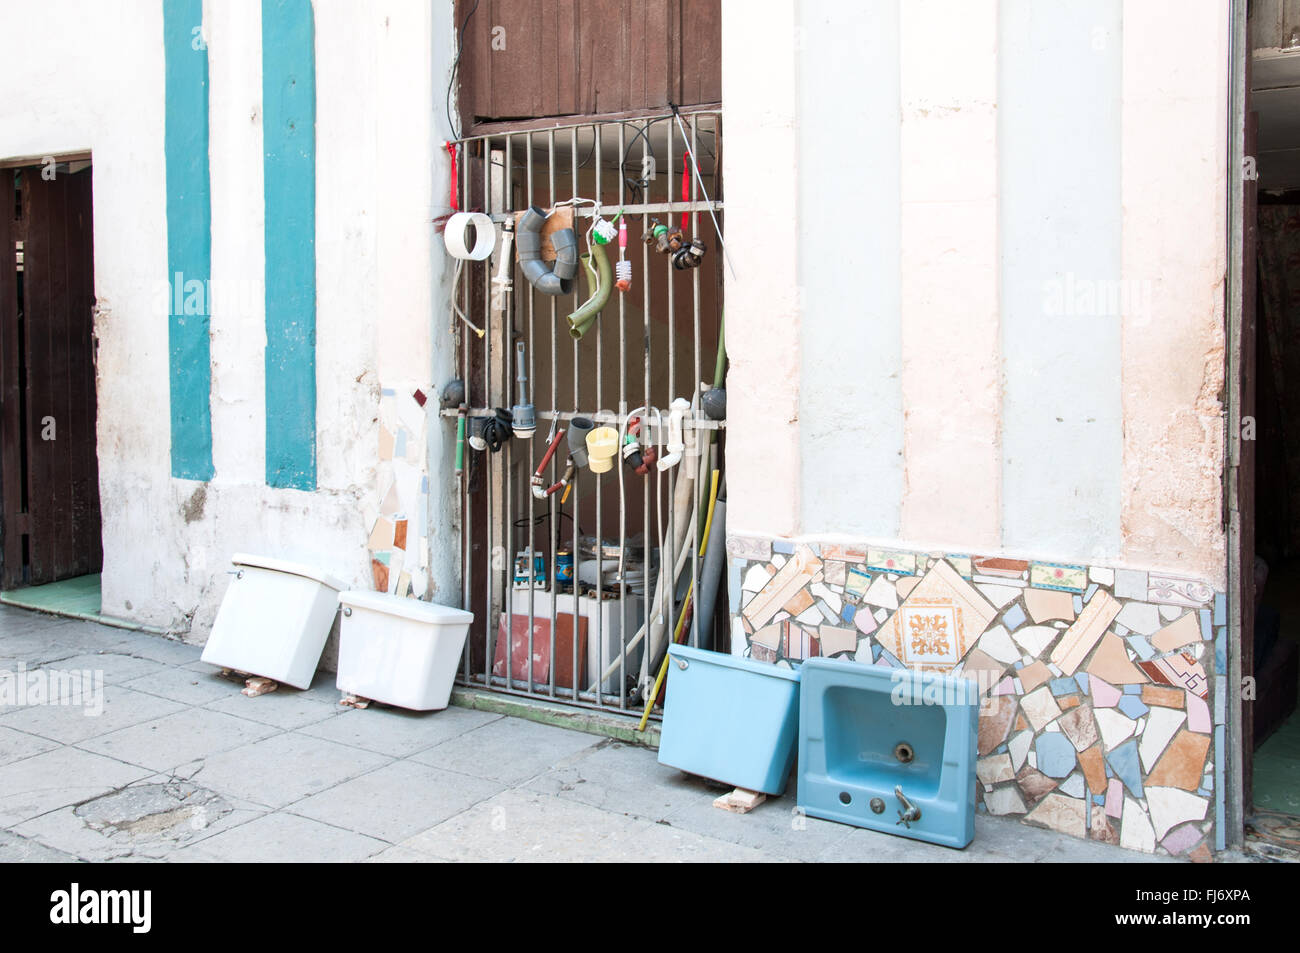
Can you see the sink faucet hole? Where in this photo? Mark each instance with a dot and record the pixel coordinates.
(845, 797)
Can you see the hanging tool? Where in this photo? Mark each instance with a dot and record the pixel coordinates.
(525, 420)
(540, 490)
(623, 269)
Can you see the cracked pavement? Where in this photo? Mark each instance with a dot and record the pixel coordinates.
(179, 766)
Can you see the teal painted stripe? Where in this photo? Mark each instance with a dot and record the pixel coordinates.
(189, 238)
(289, 167)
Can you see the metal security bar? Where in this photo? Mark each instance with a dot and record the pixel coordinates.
(577, 593)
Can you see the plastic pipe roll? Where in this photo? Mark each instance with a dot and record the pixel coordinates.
(485, 236)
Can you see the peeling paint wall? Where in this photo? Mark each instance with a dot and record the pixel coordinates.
(380, 69)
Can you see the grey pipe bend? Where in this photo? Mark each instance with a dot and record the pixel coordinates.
(556, 279)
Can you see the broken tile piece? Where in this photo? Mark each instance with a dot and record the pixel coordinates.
(1178, 591)
(1004, 800)
(1104, 694)
(1093, 763)
(1078, 726)
(995, 722)
(905, 585)
(1115, 727)
(1018, 748)
(1124, 762)
(1182, 763)
(1111, 663)
(1184, 631)
(835, 639)
(1034, 639)
(999, 566)
(881, 593)
(792, 577)
(834, 572)
(1130, 584)
(800, 602)
(1000, 596)
(1161, 725)
(1135, 831)
(1198, 713)
(1170, 807)
(1163, 696)
(1060, 813)
(993, 769)
(1044, 605)
(1033, 783)
(381, 537)
(1040, 708)
(1140, 617)
(997, 643)
(1081, 636)
(1033, 675)
(1114, 797)
(1056, 756)
(756, 577)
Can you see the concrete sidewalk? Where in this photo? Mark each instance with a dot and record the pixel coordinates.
(179, 766)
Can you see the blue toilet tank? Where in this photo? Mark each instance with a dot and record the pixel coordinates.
(731, 719)
(867, 732)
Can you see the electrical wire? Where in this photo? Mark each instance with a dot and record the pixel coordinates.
(455, 69)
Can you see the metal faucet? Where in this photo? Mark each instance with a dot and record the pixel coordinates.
(910, 811)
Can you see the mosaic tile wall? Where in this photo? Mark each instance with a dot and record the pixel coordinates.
(1102, 701)
(399, 550)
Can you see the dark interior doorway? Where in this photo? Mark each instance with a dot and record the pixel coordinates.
(49, 471)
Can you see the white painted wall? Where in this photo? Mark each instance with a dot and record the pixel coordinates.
(947, 164)
(381, 69)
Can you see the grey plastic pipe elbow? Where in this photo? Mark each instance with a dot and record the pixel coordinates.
(556, 279)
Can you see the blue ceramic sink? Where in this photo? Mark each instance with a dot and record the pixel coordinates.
(868, 734)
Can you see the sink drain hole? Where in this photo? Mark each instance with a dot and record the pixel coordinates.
(903, 752)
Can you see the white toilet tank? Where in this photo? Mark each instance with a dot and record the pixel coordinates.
(398, 650)
(274, 619)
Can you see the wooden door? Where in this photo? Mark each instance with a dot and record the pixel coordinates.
(1246, 459)
(49, 473)
(532, 59)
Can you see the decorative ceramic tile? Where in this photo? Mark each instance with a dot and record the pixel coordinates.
(1056, 756)
(1040, 708)
(1115, 728)
(856, 583)
(1032, 782)
(999, 566)
(1111, 663)
(381, 537)
(1123, 761)
(1074, 786)
(800, 602)
(1181, 669)
(1080, 637)
(800, 643)
(1033, 675)
(1044, 605)
(1034, 639)
(1198, 713)
(1058, 576)
(960, 563)
(891, 560)
(905, 585)
(843, 553)
(1176, 591)
(770, 636)
(938, 623)
(798, 571)
(749, 547)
